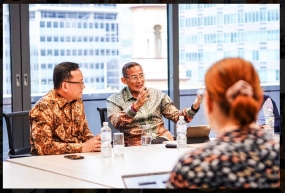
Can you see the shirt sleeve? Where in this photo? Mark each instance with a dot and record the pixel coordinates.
(118, 118)
(169, 111)
(42, 136)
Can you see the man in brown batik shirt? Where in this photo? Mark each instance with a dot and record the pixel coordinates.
(58, 122)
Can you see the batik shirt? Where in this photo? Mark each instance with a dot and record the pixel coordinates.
(129, 122)
(261, 114)
(58, 126)
(237, 159)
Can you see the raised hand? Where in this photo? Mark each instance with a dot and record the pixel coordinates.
(142, 98)
(197, 101)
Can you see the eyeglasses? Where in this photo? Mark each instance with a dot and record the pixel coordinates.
(79, 83)
(135, 78)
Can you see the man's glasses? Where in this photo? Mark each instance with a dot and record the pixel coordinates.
(135, 78)
(79, 83)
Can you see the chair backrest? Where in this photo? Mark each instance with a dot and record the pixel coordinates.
(18, 130)
(104, 118)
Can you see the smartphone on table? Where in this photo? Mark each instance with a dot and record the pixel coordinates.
(73, 157)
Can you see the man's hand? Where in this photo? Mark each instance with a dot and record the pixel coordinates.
(197, 101)
(143, 97)
(92, 145)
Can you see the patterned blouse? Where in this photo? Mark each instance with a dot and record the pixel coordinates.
(129, 122)
(238, 159)
(57, 126)
(261, 114)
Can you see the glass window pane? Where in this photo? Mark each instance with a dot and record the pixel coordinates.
(233, 40)
(99, 39)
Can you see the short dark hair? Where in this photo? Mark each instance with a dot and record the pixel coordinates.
(62, 71)
(127, 66)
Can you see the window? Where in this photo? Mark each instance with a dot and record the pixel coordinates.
(43, 66)
(43, 52)
(61, 24)
(55, 39)
(55, 24)
(42, 24)
(62, 38)
(49, 24)
(229, 36)
(49, 39)
(49, 52)
(43, 39)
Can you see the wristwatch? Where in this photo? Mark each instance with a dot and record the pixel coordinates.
(195, 110)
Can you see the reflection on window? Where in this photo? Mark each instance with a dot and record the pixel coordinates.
(101, 42)
(214, 32)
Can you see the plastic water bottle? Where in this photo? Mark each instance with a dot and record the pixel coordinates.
(181, 133)
(106, 137)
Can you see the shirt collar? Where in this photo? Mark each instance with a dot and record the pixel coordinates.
(60, 100)
(127, 94)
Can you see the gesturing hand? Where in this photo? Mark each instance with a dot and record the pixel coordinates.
(197, 101)
(142, 98)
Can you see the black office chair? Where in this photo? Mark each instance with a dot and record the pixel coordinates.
(18, 134)
(104, 118)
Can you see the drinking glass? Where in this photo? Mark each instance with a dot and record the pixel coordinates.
(146, 135)
(118, 144)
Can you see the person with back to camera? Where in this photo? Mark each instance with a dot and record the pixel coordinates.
(242, 156)
(136, 105)
(58, 122)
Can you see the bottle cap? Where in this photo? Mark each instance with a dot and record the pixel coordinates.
(105, 123)
(181, 117)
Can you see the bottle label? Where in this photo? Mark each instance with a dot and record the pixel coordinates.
(106, 136)
(181, 129)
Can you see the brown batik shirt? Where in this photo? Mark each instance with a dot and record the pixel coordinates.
(129, 122)
(58, 126)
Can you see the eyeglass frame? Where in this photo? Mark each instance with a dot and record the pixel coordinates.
(135, 78)
(78, 83)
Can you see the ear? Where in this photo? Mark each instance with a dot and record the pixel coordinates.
(124, 80)
(64, 87)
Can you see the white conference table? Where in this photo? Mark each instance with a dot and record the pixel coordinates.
(93, 169)
(19, 176)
